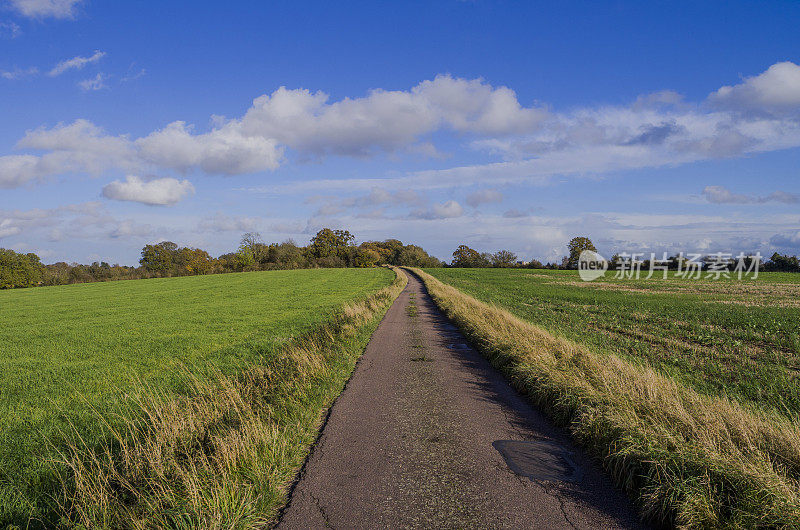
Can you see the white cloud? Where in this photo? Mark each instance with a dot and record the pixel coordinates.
(80, 136)
(386, 120)
(158, 192)
(46, 8)
(533, 145)
(775, 90)
(97, 82)
(18, 170)
(656, 130)
(477, 198)
(471, 105)
(78, 147)
(722, 195)
(76, 63)
(223, 151)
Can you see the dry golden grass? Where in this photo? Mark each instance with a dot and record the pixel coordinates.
(224, 456)
(690, 461)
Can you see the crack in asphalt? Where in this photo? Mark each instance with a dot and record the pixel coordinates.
(321, 510)
(560, 500)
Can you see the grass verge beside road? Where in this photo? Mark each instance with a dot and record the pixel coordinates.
(689, 460)
(212, 442)
(735, 338)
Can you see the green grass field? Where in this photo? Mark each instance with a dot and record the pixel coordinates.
(726, 337)
(70, 354)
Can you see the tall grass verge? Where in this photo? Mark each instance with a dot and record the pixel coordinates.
(224, 455)
(690, 461)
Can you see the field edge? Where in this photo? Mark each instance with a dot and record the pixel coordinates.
(227, 455)
(687, 460)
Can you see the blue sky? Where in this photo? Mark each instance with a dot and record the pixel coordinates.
(647, 126)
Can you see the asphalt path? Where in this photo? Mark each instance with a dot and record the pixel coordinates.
(428, 435)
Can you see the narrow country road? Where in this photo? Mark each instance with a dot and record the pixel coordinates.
(428, 435)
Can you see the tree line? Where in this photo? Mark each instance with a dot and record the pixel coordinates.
(328, 248)
(465, 256)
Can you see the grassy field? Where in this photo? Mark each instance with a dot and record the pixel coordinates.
(740, 339)
(70, 355)
(685, 390)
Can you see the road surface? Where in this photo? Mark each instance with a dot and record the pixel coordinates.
(428, 435)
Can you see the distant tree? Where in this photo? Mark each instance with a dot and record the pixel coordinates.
(159, 258)
(468, 257)
(195, 261)
(392, 251)
(228, 262)
(330, 262)
(783, 263)
(366, 258)
(415, 256)
(19, 270)
(535, 264)
(253, 241)
(245, 260)
(504, 258)
(576, 246)
(330, 243)
(286, 255)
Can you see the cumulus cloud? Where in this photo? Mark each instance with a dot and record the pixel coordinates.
(225, 150)
(484, 197)
(76, 63)
(80, 136)
(17, 170)
(45, 8)
(532, 144)
(386, 120)
(156, 192)
(77, 147)
(722, 195)
(776, 90)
